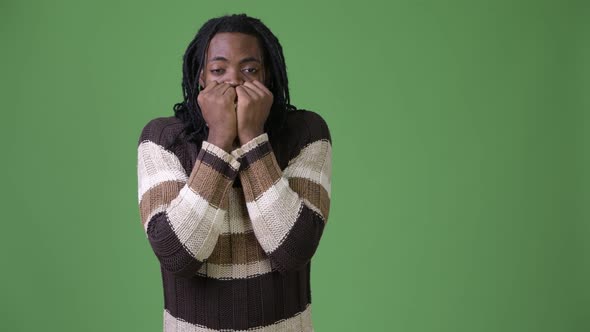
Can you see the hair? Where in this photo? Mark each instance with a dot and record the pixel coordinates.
(189, 112)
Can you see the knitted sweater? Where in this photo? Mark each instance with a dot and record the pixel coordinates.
(234, 233)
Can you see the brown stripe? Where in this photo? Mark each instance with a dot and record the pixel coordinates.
(256, 153)
(313, 192)
(217, 163)
(161, 130)
(260, 176)
(172, 254)
(209, 184)
(162, 194)
(215, 304)
(301, 242)
(239, 248)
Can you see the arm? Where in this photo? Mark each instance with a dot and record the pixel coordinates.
(288, 208)
(182, 214)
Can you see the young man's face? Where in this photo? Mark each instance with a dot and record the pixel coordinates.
(234, 58)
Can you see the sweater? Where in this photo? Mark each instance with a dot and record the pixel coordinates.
(234, 232)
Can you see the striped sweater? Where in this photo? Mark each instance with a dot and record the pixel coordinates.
(234, 233)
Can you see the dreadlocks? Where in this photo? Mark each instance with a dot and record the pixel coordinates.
(189, 112)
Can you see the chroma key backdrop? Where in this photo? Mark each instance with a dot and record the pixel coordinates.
(460, 186)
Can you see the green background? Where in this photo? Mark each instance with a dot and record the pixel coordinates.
(460, 195)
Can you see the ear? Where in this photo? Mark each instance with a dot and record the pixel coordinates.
(201, 79)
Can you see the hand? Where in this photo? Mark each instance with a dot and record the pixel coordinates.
(254, 103)
(217, 102)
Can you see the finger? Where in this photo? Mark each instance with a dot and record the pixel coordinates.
(242, 92)
(253, 89)
(253, 92)
(210, 86)
(224, 90)
(220, 88)
(261, 86)
(231, 94)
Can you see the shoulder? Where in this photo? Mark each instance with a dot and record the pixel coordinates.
(308, 126)
(302, 129)
(161, 130)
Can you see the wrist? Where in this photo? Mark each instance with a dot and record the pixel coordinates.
(224, 142)
(248, 136)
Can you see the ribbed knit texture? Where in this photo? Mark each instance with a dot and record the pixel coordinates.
(234, 233)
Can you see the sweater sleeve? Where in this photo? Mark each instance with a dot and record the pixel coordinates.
(289, 208)
(181, 213)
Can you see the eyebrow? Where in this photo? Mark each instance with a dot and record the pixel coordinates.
(244, 60)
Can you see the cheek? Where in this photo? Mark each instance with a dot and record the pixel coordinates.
(258, 76)
(207, 79)
(251, 78)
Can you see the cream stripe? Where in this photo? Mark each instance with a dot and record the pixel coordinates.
(250, 145)
(237, 220)
(274, 213)
(301, 322)
(313, 208)
(314, 162)
(156, 165)
(236, 271)
(195, 222)
(219, 152)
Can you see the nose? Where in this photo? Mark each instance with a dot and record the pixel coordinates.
(234, 78)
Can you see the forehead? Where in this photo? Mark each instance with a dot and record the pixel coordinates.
(232, 45)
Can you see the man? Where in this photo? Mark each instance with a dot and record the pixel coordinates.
(234, 189)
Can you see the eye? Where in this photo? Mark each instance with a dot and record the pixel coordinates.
(250, 70)
(217, 71)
